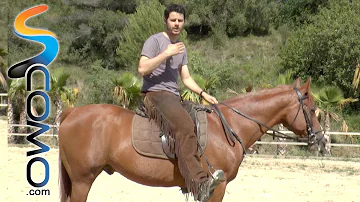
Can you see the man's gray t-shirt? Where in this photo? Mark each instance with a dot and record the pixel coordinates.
(165, 76)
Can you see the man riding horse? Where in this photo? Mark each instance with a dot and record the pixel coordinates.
(163, 57)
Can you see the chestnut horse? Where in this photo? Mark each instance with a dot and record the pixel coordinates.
(94, 138)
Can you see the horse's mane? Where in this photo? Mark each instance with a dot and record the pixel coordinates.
(262, 92)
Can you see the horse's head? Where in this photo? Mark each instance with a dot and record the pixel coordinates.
(301, 118)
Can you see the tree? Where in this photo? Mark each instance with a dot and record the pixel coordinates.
(3, 68)
(69, 97)
(97, 87)
(3, 77)
(326, 49)
(298, 12)
(10, 110)
(127, 6)
(58, 83)
(231, 17)
(126, 90)
(329, 98)
(97, 36)
(17, 95)
(207, 84)
(187, 94)
(147, 21)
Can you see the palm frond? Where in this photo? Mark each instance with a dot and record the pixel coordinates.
(3, 81)
(344, 127)
(62, 79)
(69, 96)
(126, 89)
(189, 95)
(234, 92)
(356, 80)
(330, 95)
(346, 101)
(335, 116)
(17, 87)
(58, 80)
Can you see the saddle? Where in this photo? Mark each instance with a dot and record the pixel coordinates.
(148, 140)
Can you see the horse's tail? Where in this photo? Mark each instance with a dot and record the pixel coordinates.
(65, 113)
(64, 179)
(64, 183)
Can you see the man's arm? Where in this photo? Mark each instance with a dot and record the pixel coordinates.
(193, 86)
(147, 65)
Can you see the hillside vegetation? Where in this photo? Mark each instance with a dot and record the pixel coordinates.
(231, 45)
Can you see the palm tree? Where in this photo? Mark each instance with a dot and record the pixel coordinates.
(329, 98)
(126, 90)
(205, 84)
(17, 95)
(69, 97)
(58, 83)
(187, 94)
(5, 83)
(3, 79)
(10, 109)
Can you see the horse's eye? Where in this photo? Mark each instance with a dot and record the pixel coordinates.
(312, 110)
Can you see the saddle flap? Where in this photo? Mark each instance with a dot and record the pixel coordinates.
(146, 138)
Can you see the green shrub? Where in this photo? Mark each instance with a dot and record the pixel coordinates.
(97, 86)
(97, 36)
(148, 20)
(328, 48)
(235, 17)
(298, 12)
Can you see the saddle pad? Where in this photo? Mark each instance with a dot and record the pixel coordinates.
(146, 136)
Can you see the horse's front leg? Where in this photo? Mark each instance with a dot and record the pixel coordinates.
(219, 193)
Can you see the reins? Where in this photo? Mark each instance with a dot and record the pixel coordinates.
(230, 134)
(262, 124)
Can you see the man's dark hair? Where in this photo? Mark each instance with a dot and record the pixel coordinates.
(174, 8)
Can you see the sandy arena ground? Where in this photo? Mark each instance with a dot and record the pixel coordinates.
(259, 179)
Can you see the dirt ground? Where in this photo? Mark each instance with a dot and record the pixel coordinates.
(259, 179)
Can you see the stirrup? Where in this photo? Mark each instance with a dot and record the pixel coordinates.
(216, 178)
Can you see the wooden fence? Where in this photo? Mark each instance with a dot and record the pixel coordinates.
(53, 133)
(303, 143)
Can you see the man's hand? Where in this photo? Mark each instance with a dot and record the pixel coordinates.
(174, 49)
(210, 99)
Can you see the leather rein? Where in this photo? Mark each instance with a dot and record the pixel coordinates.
(231, 135)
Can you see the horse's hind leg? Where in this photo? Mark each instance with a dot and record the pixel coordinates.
(219, 193)
(80, 191)
(81, 184)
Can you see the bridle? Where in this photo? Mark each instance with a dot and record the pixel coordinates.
(311, 133)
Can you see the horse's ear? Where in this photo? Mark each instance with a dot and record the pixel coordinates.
(307, 84)
(297, 83)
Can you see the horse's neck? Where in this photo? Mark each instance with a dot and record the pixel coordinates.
(267, 108)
